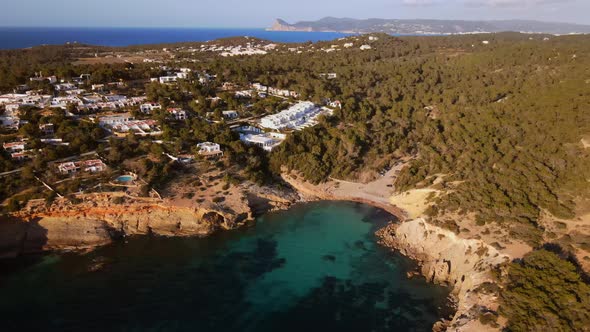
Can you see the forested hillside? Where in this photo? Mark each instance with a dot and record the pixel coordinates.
(493, 122)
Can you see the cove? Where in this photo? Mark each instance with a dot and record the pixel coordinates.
(316, 266)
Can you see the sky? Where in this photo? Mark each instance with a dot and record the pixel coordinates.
(261, 13)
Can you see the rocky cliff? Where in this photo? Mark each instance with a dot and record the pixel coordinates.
(464, 265)
(100, 218)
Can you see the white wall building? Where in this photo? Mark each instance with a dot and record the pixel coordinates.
(149, 107)
(178, 114)
(296, 117)
(209, 149)
(230, 115)
(267, 141)
(114, 120)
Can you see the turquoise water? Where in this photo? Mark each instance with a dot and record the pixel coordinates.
(314, 267)
(125, 178)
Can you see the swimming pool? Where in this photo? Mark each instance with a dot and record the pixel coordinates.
(125, 178)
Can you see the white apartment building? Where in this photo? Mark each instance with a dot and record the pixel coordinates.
(296, 116)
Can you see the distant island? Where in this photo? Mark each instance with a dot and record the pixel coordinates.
(424, 26)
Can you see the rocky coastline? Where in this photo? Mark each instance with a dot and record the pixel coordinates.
(87, 221)
(99, 219)
(464, 265)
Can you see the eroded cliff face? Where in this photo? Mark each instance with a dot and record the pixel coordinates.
(464, 265)
(101, 218)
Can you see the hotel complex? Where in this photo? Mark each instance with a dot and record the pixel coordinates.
(298, 116)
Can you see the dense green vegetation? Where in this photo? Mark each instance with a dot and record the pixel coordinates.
(545, 293)
(502, 123)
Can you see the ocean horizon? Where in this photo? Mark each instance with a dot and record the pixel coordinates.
(25, 37)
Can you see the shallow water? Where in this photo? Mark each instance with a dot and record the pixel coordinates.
(316, 266)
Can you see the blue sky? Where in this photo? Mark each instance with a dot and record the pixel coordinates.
(261, 13)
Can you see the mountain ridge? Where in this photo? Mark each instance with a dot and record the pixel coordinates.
(427, 26)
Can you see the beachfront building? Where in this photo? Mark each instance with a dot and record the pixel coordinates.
(209, 149)
(298, 116)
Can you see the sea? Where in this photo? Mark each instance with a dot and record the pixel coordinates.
(314, 267)
(13, 37)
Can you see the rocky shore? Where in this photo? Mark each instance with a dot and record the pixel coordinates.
(464, 265)
(443, 257)
(98, 219)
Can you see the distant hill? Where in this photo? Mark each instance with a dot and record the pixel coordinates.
(420, 26)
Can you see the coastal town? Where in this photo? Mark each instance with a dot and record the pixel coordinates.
(33, 123)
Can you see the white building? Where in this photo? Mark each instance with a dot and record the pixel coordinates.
(149, 107)
(114, 120)
(90, 166)
(14, 146)
(65, 87)
(243, 94)
(335, 104)
(178, 114)
(259, 87)
(208, 149)
(115, 98)
(168, 79)
(230, 115)
(329, 76)
(11, 122)
(50, 79)
(365, 47)
(296, 117)
(267, 141)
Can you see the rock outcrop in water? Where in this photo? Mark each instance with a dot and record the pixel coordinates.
(444, 258)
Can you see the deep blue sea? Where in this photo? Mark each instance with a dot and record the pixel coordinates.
(27, 37)
(315, 267)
